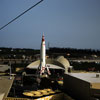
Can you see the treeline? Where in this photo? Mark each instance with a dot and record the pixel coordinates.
(52, 52)
(17, 53)
(74, 50)
(75, 53)
(86, 66)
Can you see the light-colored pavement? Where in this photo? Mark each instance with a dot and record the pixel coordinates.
(5, 85)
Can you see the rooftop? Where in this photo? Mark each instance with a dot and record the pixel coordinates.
(92, 78)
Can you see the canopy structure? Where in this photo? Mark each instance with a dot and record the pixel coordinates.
(59, 63)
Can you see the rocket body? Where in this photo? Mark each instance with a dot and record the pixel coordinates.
(42, 56)
(43, 67)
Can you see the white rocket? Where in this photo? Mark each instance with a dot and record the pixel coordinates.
(43, 68)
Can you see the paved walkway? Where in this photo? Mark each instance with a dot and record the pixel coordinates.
(5, 85)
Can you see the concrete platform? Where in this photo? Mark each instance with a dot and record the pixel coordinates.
(5, 85)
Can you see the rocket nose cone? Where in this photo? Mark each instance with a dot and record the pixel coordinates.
(43, 38)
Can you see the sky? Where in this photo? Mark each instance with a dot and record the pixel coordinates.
(65, 24)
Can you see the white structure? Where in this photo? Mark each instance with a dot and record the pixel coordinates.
(43, 68)
(49, 66)
(64, 62)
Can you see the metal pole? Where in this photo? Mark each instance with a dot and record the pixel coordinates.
(10, 70)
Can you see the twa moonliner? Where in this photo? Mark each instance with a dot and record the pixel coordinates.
(43, 69)
(48, 66)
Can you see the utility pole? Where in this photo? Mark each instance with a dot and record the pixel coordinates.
(10, 70)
